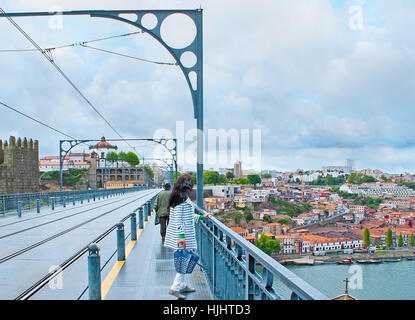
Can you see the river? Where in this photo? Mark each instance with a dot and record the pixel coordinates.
(383, 281)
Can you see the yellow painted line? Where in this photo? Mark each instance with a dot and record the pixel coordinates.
(115, 270)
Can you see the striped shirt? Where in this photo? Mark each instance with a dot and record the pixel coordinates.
(182, 225)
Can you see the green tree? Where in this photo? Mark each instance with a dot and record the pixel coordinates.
(412, 240)
(132, 159)
(285, 221)
(377, 244)
(211, 177)
(267, 218)
(122, 156)
(266, 176)
(194, 177)
(112, 157)
(400, 240)
(149, 171)
(222, 179)
(249, 216)
(267, 244)
(229, 175)
(366, 237)
(238, 217)
(254, 179)
(389, 239)
(359, 178)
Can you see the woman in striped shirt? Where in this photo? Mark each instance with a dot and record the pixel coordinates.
(181, 228)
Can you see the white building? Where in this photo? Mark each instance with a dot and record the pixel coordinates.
(224, 191)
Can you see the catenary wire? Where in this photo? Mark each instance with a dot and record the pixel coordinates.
(45, 54)
(38, 121)
(73, 44)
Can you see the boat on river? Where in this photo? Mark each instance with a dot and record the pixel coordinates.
(345, 261)
(392, 260)
(369, 261)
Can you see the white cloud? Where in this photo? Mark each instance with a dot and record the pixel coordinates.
(318, 90)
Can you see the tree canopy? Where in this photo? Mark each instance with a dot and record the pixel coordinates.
(400, 241)
(132, 159)
(359, 178)
(267, 244)
(366, 237)
(389, 239)
(254, 179)
(112, 157)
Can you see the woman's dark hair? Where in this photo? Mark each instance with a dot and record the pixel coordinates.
(181, 190)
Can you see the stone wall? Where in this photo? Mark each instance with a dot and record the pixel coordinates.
(19, 166)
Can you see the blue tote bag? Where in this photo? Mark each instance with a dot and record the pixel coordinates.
(185, 261)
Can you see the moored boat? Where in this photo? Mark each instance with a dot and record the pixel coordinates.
(345, 261)
(369, 261)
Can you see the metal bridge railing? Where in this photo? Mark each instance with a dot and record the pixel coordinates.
(95, 267)
(12, 203)
(94, 258)
(238, 270)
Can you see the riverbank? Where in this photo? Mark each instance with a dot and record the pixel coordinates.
(381, 255)
(379, 281)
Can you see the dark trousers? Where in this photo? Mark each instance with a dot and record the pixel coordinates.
(164, 221)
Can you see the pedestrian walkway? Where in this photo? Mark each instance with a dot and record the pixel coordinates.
(149, 271)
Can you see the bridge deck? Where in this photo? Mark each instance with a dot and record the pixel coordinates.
(149, 271)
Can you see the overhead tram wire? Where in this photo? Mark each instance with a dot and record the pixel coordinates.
(84, 45)
(74, 44)
(127, 56)
(45, 54)
(38, 121)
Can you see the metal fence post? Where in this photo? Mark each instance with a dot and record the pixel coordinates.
(133, 226)
(140, 218)
(19, 208)
(53, 203)
(38, 205)
(120, 241)
(64, 202)
(94, 272)
(4, 205)
(146, 212)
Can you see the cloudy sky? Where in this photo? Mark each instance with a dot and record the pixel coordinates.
(321, 82)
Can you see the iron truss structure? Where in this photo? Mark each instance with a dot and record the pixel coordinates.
(190, 72)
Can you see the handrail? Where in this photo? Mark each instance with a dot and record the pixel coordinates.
(239, 258)
(28, 201)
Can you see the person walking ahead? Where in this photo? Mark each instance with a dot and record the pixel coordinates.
(161, 209)
(181, 229)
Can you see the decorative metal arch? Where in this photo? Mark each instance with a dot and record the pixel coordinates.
(196, 47)
(64, 151)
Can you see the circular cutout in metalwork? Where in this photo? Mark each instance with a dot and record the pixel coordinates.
(178, 30)
(170, 144)
(66, 145)
(149, 21)
(188, 59)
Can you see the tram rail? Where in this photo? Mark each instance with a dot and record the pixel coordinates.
(39, 243)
